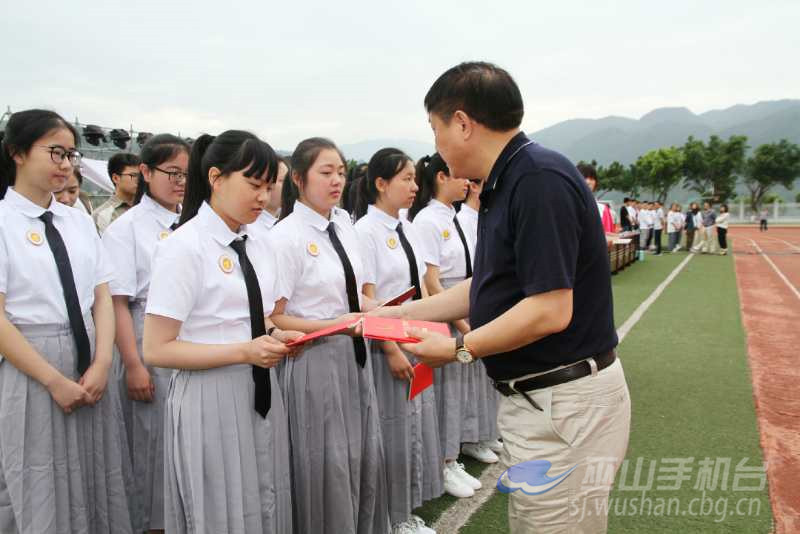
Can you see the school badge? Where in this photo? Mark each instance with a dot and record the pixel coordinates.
(391, 243)
(163, 234)
(226, 264)
(34, 237)
(446, 234)
(313, 249)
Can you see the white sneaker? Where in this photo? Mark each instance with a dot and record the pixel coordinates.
(422, 528)
(468, 479)
(454, 484)
(406, 527)
(495, 445)
(482, 454)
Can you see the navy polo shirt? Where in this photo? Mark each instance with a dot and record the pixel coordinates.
(539, 231)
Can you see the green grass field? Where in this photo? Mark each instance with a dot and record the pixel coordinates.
(686, 366)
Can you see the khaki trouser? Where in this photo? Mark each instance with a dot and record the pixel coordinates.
(710, 243)
(584, 423)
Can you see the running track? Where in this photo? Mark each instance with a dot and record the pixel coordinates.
(768, 276)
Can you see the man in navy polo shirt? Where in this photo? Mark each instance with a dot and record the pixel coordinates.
(539, 303)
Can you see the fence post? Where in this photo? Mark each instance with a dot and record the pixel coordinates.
(775, 210)
(741, 209)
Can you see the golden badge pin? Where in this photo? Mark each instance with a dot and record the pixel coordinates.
(313, 249)
(35, 237)
(446, 234)
(226, 264)
(391, 243)
(163, 234)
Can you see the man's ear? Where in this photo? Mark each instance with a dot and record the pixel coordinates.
(465, 124)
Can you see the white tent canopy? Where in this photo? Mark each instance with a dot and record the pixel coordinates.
(96, 171)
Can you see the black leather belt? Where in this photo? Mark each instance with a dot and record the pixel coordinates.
(554, 378)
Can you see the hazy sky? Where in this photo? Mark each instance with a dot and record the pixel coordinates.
(359, 70)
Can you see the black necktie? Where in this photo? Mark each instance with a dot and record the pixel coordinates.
(352, 291)
(466, 247)
(257, 326)
(173, 226)
(74, 313)
(412, 261)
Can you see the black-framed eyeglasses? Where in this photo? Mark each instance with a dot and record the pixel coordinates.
(131, 175)
(58, 153)
(474, 181)
(174, 176)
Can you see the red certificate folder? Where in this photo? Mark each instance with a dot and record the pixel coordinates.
(387, 329)
(331, 330)
(423, 379)
(401, 298)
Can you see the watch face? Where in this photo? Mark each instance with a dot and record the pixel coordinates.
(464, 356)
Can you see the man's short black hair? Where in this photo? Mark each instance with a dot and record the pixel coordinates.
(120, 160)
(587, 170)
(484, 91)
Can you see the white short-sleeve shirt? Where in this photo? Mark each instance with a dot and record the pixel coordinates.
(28, 272)
(197, 279)
(311, 274)
(385, 261)
(658, 218)
(130, 241)
(468, 218)
(441, 245)
(674, 221)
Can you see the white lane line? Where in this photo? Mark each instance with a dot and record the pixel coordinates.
(795, 247)
(457, 515)
(626, 327)
(777, 271)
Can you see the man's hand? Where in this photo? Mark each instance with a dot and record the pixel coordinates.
(433, 349)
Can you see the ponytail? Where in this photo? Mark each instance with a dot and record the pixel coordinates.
(428, 168)
(231, 151)
(362, 198)
(8, 170)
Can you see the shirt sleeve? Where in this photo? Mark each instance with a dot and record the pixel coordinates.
(118, 241)
(266, 272)
(368, 256)
(287, 265)
(546, 214)
(430, 242)
(175, 282)
(103, 270)
(3, 264)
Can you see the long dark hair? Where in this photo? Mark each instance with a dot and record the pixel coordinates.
(303, 159)
(23, 129)
(230, 151)
(427, 169)
(386, 163)
(157, 150)
(350, 192)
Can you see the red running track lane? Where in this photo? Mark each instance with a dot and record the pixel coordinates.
(771, 316)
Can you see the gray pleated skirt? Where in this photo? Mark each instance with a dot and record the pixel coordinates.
(59, 473)
(226, 467)
(488, 400)
(410, 440)
(338, 460)
(144, 425)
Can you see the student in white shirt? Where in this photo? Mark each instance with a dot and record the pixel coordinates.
(339, 472)
(71, 194)
(434, 218)
(674, 226)
(657, 215)
(57, 408)
(130, 242)
(722, 228)
(645, 226)
(226, 436)
(271, 214)
(392, 262)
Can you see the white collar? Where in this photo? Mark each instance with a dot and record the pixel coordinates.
(468, 210)
(383, 217)
(161, 214)
(315, 220)
(34, 211)
(214, 224)
(441, 206)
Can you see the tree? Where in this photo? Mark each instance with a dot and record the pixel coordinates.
(771, 164)
(711, 170)
(613, 178)
(660, 170)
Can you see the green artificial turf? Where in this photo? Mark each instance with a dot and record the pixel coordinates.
(686, 367)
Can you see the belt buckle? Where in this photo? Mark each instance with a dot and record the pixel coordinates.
(592, 365)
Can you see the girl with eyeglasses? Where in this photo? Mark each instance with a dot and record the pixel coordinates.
(63, 452)
(130, 242)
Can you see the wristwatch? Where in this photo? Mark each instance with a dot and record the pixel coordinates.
(463, 354)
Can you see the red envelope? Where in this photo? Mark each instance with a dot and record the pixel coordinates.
(423, 379)
(331, 330)
(388, 329)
